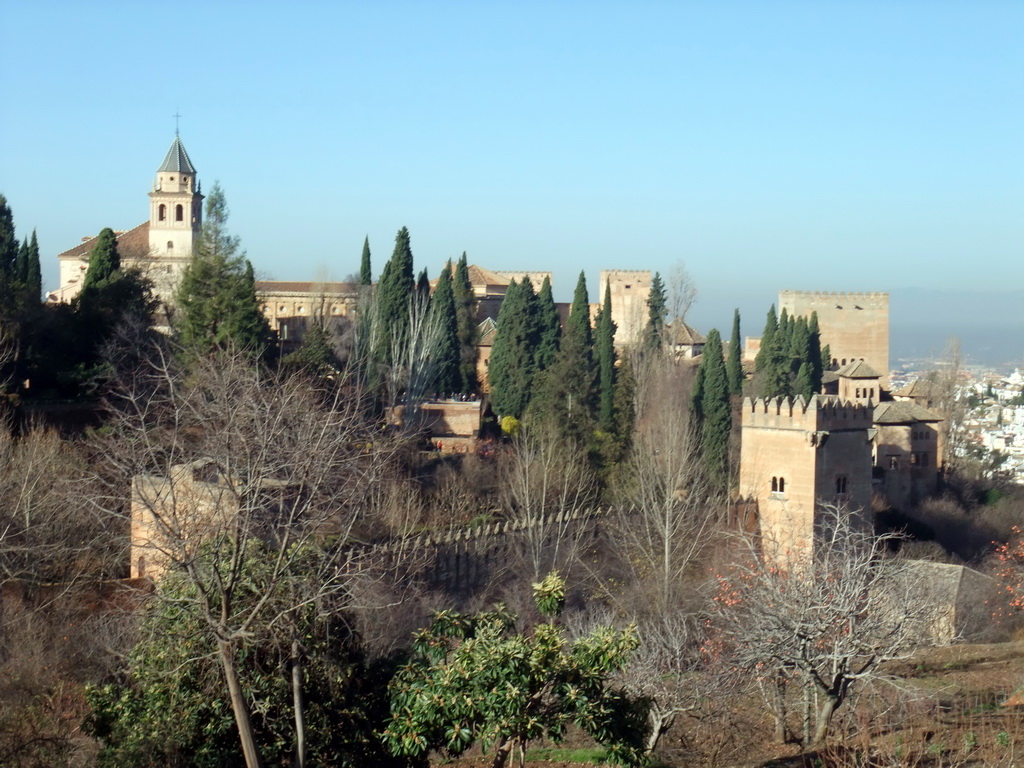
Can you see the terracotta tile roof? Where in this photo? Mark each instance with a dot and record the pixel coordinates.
(131, 244)
(902, 412)
(686, 335)
(920, 388)
(307, 288)
(858, 369)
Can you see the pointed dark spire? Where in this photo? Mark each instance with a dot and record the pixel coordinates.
(177, 159)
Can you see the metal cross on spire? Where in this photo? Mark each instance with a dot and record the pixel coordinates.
(177, 117)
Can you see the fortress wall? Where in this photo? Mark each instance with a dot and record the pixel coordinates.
(854, 325)
(629, 289)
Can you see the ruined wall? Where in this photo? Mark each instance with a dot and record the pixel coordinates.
(855, 326)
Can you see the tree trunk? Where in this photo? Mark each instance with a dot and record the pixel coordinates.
(299, 705)
(779, 712)
(502, 752)
(828, 709)
(242, 720)
(659, 725)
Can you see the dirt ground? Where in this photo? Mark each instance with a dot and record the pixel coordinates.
(949, 709)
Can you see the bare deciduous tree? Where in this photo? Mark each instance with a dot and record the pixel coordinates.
(230, 455)
(547, 484)
(816, 629)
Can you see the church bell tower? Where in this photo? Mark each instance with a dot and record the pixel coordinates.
(175, 208)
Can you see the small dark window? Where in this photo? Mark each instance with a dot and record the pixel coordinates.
(162, 212)
(924, 459)
(179, 213)
(170, 245)
(775, 485)
(894, 462)
(782, 485)
(914, 459)
(840, 485)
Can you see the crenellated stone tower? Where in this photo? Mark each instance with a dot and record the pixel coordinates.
(855, 326)
(797, 455)
(630, 289)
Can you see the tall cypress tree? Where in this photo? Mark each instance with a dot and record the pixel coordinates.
(802, 385)
(814, 356)
(8, 242)
(657, 308)
(465, 311)
(442, 309)
(34, 273)
(423, 285)
(21, 263)
(104, 260)
(550, 325)
(771, 327)
(712, 409)
(734, 364)
(394, 290)
(365, 273)
(512, 365)
(575, 391)
(605, 348)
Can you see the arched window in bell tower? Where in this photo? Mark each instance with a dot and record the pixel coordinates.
(179, 213)
(161, 214)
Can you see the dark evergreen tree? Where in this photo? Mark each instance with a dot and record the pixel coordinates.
(394, 290)
(572, 396)
(550, 324)
(104, 259)
(799, 344)
(771, 327)
(802, 385)
(21, 263)
(8, 242)
(465, 310)
(442, 308)
(814, 356)
(711, 406)
(316, 353)
(657, 309)
(775, 375)
(605, 348)
(826, 357)
(423, 285)
(513, 355)
(734, 363)
(365, 273)
(217, 298)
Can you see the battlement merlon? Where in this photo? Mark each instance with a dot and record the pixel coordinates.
(816, 414)
(872, 300)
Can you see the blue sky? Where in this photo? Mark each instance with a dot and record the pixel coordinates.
(767, 145)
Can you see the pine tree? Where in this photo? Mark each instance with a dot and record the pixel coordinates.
(771, 327)
(442, 307)
(465, 311)
(550, 324)
(394, 290)
(316, 353)
(711, 406)
(657, 308)
(605, 348)
(104, 260)
(734, 364)
(217, 298)
(512, 365)
(365, 275)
